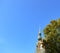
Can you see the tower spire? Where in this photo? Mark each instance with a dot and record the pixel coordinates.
(39, 30)
(39, 35)
(39, 45)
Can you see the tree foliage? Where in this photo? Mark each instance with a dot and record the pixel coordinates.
(52, 37)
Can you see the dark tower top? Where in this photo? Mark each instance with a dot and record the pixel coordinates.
(39, 36)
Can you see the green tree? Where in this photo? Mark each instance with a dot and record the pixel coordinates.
(52, 37)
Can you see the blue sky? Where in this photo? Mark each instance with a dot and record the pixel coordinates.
(20, 21)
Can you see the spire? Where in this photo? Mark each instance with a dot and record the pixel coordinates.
(39, 35)
(39, 29)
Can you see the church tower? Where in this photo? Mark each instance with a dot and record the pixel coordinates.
(39, 46)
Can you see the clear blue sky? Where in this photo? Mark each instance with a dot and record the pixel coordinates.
(20, 21)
